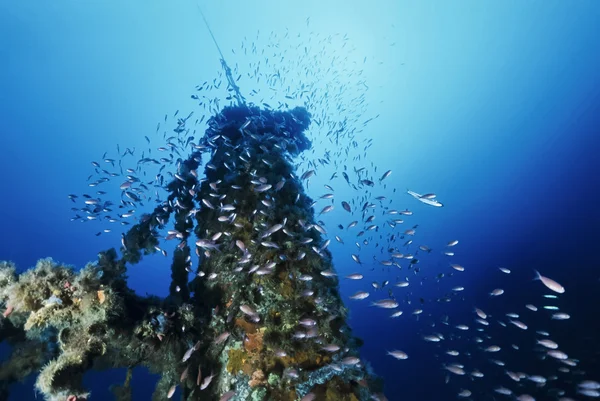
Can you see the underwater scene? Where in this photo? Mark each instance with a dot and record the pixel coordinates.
(298, 201)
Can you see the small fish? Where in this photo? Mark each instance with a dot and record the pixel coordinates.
(207, 203)
(8, 311)
(549, 283)
(206, 382)
(519, 324)
(326, 209)
(262, 188)
(271, 230)
(398, 354)
(227, 396)
(420, 198)
(221, 338)
(385, 175)
(240, 245)
(503, 391)
(308, 397)
(548, 343)
(481, 313)
(457, 370)
(206, 244)
(367, 183)
(537, 379)
(350, 360)
(385, 303)
(319, 229)
(359, 295)
(184, 374)
(307, 175)
(554, 353)
(589, 385)
(331, 348)
(513, 376)
(190, 351)
(457, 267)
(125, 185)
(248, 310)
(280, 353)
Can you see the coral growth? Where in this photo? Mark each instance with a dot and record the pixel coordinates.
(258, 379)
(254, 318)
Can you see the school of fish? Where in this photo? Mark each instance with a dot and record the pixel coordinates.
(378, 220)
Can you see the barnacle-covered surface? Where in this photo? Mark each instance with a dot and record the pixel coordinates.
(262, 317)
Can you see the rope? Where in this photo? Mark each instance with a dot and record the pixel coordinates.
(228, 74)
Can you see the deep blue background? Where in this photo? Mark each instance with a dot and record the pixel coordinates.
(494, 106)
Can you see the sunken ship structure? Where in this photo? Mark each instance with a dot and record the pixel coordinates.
(253, 311)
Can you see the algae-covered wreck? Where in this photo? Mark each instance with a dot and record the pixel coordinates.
(261, 319)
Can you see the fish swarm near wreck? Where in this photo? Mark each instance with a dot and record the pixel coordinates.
(262, 319)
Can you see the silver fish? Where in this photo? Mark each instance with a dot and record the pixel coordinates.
(385, 175)
(359, 295)
(549, 283)
(262, 188)
(385, 303)
(221, 338)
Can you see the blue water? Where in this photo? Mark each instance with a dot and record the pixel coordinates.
(494, 106)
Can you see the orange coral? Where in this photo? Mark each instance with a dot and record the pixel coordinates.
(258, 379)
(101, 296)
(254, 341)
(248, 327)
(308, 359)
